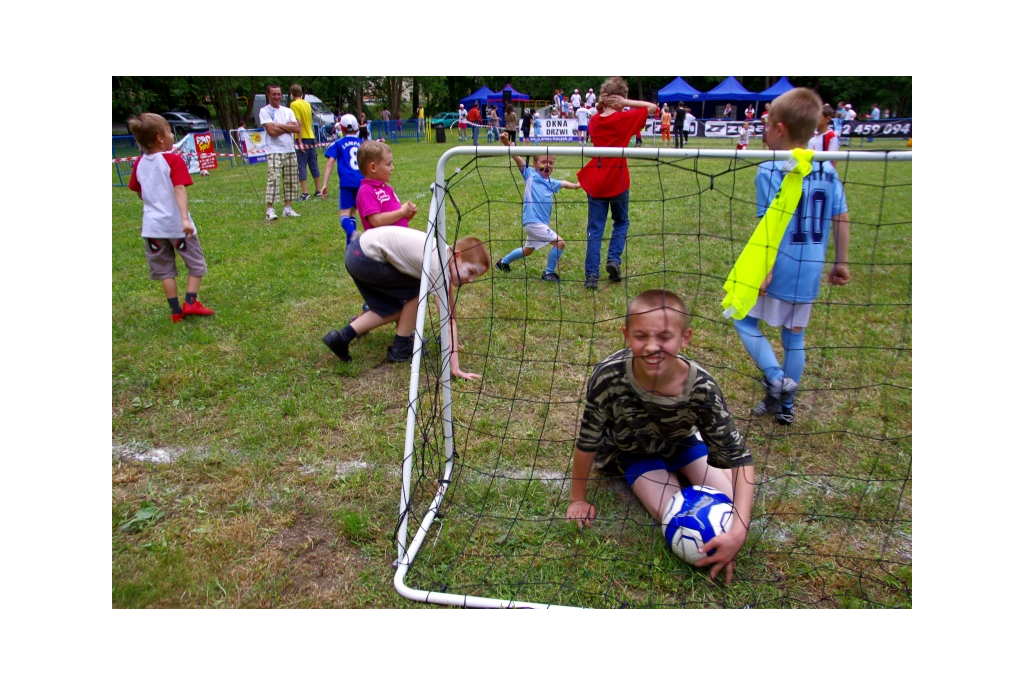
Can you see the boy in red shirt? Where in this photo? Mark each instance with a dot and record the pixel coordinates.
(606, 179)
(159, 177)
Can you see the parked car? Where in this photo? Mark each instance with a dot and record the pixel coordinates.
(183, 122)
(199, 110)
(444, 118)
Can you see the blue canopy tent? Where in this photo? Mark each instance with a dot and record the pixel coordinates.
(516, 95)
(476, 98)
(780, 87)
(730, 90)
(498, 98)
(679, 91)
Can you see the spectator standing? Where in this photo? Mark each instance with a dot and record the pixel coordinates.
(874, 116)
(591, 98)
(583, 115)
(476, 122)
(666, 125)
(385, 116)
(511, 124)
(364, 127)
(527, 120)
(748, 115)
(305, 143)
(764, 125)
(727, 113)
(850, 115)
(679, 126)
(421, 121)
(463, 118)
(575, 100)
(558, 102)
(282, 170)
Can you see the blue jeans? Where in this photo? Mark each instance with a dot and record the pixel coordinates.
(597, 216)
(476, 134)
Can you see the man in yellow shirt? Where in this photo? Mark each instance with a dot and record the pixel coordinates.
(305, 150)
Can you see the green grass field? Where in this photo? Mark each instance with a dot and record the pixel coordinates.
(281, 466)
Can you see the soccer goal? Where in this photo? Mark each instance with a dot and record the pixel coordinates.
(487, 463)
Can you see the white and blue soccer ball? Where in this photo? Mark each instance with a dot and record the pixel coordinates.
(692, 517)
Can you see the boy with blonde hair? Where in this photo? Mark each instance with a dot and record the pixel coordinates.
(657, 418)
(159, 177)
(606, 180)
(376, 201)
(538, 197)
(791, 287)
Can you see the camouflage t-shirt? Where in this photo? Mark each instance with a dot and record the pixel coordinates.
(620, 416)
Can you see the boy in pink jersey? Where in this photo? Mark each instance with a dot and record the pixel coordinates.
(376, 201)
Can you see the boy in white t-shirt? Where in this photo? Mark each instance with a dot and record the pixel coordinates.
(159, 177)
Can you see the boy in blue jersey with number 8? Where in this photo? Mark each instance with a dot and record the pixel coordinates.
(344, 152)
(789, 291)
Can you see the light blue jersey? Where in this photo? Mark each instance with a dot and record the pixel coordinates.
(796, 276)
(538, 196)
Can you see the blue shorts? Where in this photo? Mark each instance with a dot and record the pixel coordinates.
(633, 466)
(347, 197)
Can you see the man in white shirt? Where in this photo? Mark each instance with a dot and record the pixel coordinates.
(282, 169)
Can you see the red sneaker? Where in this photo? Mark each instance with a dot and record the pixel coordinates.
(176, 318)
(195, 309)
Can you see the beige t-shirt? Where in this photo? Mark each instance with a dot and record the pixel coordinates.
(402, 248)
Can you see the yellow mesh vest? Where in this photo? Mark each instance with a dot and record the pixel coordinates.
(758, 256)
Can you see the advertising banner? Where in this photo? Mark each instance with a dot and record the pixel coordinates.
(204, 147)
(253, 144)
(186, 147)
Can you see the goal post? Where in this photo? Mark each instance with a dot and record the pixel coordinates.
(696, 202)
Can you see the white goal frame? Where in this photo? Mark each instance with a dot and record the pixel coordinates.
(436, 239)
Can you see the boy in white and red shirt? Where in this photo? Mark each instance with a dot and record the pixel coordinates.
(825, 139)
(159, 177)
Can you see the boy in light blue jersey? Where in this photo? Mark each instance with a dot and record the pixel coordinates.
(344, 153)
(790, 289)
(538, 197)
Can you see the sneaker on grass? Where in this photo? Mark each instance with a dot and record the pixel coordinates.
(337, 346)
(591, 282)
(502, 266)
(614, 272)
(288, 211)
(271, 214)
(778, 393)
(551, 277)
(195, 309)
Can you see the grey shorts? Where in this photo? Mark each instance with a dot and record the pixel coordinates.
(307, 157)
(160, 255)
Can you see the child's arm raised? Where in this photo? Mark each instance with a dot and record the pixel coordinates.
(520, 162)
(181, 198)
(568, 185)
(580, 510)
(840, 274)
